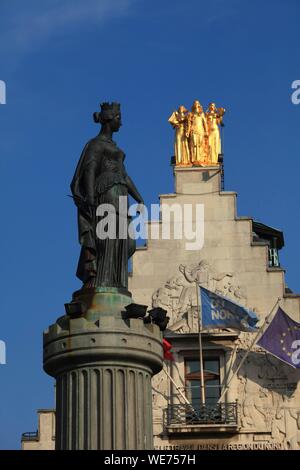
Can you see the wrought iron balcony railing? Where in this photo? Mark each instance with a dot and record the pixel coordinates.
(185, 415)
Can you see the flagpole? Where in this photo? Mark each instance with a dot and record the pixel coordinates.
(200, 346)
(249, 350)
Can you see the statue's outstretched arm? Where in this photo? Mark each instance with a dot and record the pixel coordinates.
(132, 189)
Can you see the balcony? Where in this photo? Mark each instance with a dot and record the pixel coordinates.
(185, 419)
(30, 436)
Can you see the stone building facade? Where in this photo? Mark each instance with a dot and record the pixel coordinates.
(239, 259)
(44, 437)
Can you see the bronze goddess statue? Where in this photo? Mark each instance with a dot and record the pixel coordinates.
(101, 178)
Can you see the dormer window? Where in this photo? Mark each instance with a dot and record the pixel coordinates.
(272, 237)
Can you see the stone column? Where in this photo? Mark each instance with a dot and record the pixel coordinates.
(103, 366)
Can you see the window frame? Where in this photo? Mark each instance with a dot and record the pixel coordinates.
(207, 354)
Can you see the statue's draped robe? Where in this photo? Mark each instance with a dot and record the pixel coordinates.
(214, 139)
(102, 263)
(197, 138)
(181, 147)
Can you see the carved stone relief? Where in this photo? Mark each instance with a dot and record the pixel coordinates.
(265, 387)
(268, 397)
(179, 295)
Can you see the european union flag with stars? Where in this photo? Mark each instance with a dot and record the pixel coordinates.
(282, 339)
(220, 312)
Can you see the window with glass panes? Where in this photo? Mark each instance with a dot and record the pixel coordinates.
(211, 372)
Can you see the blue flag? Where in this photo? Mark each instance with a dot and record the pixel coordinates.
(221, 312)
(282, 339)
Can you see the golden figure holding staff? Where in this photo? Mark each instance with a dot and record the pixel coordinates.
(214, 117)
(197, 133)
(179, 123)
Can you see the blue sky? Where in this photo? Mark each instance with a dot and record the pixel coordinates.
(60, 59)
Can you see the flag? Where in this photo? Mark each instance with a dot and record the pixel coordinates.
(168, 356)
(282, 339)
(221, 312)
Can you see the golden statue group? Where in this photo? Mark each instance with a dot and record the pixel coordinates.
(197, 135)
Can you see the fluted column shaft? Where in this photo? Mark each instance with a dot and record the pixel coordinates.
(97, 406)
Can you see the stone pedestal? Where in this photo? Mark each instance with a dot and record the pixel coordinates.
(198, 180)
(103, 366)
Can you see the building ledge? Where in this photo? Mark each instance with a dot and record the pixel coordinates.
(167, 195)
(169, 334)
(30, 436)
(291, 295)
(202, 429)
(259, 243)
(272, 269)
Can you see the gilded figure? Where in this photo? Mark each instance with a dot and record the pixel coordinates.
(179, 122)
(214, 118)
(197, 133)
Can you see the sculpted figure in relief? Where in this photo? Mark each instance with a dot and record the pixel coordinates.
(178, 296)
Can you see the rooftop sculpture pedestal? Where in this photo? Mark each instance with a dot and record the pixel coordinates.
(103, 364)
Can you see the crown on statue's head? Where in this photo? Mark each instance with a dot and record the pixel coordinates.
(113, 108)
(108, 112)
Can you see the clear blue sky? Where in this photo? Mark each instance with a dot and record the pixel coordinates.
(59, 59)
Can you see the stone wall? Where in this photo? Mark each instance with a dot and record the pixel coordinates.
(231, 263)
(45, 435)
